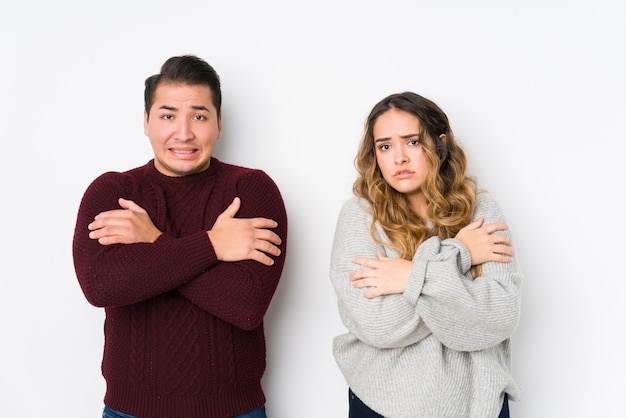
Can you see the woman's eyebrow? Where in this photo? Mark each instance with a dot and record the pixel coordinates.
(407, 136)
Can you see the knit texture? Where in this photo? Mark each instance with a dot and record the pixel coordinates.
(183, 331)
(440, 349)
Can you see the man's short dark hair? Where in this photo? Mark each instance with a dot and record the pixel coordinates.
(185, 69)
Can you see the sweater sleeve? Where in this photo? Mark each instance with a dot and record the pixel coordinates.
(466, 314)
(240, 292)
(123, 274)
(385, 321)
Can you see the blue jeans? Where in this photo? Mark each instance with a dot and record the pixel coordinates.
(110, 413)
(257, 413)
(359, 410)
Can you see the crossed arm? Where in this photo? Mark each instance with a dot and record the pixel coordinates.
(386, 276)
(390, 302)
(233, 239)
(123, 255)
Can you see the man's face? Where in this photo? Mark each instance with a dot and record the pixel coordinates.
(183, 127)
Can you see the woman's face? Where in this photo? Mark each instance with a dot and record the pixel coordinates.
(400, 155)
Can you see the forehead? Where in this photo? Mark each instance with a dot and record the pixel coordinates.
(173, 94)
(396, 122)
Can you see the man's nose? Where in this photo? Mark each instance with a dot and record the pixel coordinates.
(183, 130)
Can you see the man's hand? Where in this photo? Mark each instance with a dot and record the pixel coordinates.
(483, 244)
(128, 225)
(384, 275)
(236, 239)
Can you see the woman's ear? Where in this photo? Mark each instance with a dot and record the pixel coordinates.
(442, 137)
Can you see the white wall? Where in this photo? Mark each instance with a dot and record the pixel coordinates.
(534, 90)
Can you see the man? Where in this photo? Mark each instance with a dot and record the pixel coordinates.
(184, 253)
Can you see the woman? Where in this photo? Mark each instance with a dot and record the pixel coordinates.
(424, 272)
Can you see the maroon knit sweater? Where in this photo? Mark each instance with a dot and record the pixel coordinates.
(183, 331)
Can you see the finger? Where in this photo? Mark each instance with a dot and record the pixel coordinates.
(103, 221)
(130, 205)
(263, 223)
(501, 258)
(107, 231)
(506, 250)
(269, 248)
(360, 275)
(115, 213)
(233, 208)
(502, 243)
(262, 258)
(358, 284)
(109, 240)
(475, 224)
(370, 294)
(496, 226)
(113, 217)
(382, 257)
(367, 262)
(501, 239)
(269, 236)
(367, 282)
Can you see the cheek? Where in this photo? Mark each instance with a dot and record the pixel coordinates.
(422, 161)
(384, 164)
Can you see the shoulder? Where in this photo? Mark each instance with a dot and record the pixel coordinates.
(241, 173)
(126, 178)
(126, 182)
(113, 179)
(356, 208)
(255, 187)
(356, 203)
(487, 207)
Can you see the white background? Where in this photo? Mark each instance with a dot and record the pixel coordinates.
(535, 92)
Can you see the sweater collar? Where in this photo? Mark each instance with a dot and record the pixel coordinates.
(152, 172)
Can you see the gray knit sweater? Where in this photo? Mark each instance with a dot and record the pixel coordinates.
(440, 349)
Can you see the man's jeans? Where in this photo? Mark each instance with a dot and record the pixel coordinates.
(109, 413)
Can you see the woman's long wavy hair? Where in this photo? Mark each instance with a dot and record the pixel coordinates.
(450, 192)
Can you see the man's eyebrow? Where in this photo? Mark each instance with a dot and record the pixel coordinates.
(196, 107)
(201, 107)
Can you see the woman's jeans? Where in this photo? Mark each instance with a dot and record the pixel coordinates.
(359, 410)
(110, 413)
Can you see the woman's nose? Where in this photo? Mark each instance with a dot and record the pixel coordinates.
(401, 157)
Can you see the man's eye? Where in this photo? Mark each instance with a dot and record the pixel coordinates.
(199, 117)
(167, 117)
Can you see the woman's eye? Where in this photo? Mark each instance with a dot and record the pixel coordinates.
(383, 147)
(414, 142)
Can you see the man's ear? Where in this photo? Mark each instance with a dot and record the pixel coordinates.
(219, 126)
(145, 122)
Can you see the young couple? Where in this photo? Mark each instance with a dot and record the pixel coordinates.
(185, 253)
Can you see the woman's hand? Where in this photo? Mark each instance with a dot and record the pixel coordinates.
(385, 276)
(484, 244)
